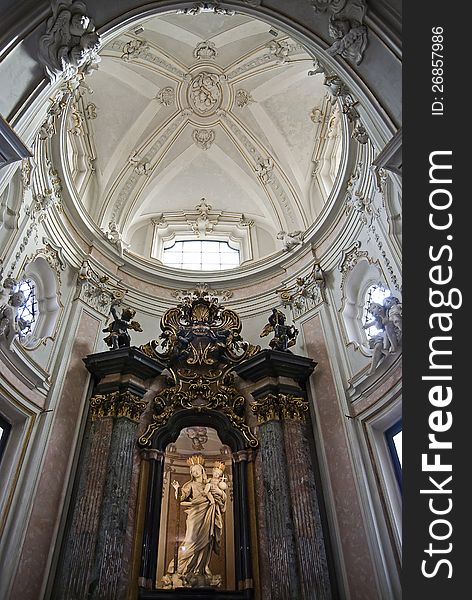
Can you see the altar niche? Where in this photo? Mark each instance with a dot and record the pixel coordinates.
(196, 533)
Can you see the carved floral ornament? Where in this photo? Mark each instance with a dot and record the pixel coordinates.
(203, 138)
(204, 93)
(200, 344)
(205, 51)
(201, 289)
(351, 257)
(308, 292)
(96, 290)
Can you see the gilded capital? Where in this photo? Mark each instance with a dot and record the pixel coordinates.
(117, 404)
(280, 407)
(266, 409)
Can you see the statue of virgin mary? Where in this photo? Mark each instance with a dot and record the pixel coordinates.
(204, 501)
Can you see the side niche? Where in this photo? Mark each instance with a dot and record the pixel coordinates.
(197, 496)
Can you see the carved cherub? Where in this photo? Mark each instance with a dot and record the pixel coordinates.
(290, 240)
(10, 301)
(285, 336)
(118, 336)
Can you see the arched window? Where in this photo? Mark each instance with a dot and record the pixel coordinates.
(394, 441)
(27, 312)
(196, 255)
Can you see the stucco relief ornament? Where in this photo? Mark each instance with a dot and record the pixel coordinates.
(203, 138)
(166, 96)
(70, 46)
(243, 98)
(133, 49)
(205, 92)
(140, 167)
(97, 290)
(345, 27)
(265, 170)
(359, 133)
(280, 50)
(205, 50)
(203, 224)
(290, 240)
(201, 7)
(114, 236)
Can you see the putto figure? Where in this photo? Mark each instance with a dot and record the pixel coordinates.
(118, 336)
(285, 336)
(10, 301)
(387, 318)
(70, 43)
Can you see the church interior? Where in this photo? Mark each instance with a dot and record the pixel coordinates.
(201, 300)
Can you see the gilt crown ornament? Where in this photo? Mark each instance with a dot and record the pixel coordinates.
(196, 459)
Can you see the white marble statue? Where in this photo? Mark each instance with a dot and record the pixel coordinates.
(387, 317)
(205, 504)
(9, 303)
(290, 240)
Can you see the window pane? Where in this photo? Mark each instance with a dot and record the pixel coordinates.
(397, 440)
(206, 255)
(393, 436)
(375, 294)
(27, 312)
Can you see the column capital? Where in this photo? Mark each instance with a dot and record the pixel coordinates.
(117, 404)
(274, 407)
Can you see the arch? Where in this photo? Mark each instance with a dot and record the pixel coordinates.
(167, 434)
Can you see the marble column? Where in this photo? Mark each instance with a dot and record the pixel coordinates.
(295, 541)
(95, 558)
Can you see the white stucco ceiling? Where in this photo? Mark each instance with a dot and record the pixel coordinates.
(174, 124)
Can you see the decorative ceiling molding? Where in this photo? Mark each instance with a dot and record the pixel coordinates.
(201, 289)
(151, 55)
(203, 138)
(97, 291)
(270, 55)
(264, 165)
(205, 51)
(166, 96)
(205, 94)
(133, 49)
(202, 7)
(202, 223)
(243, 98)
(131, 181)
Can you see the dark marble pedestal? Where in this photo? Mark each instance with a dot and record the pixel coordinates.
(96, 552)
(286, 476)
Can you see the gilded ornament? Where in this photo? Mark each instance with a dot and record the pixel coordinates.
(280, 407)
(200, 344)
(117, 404)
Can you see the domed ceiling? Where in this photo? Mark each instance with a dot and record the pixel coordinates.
(209, 106)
